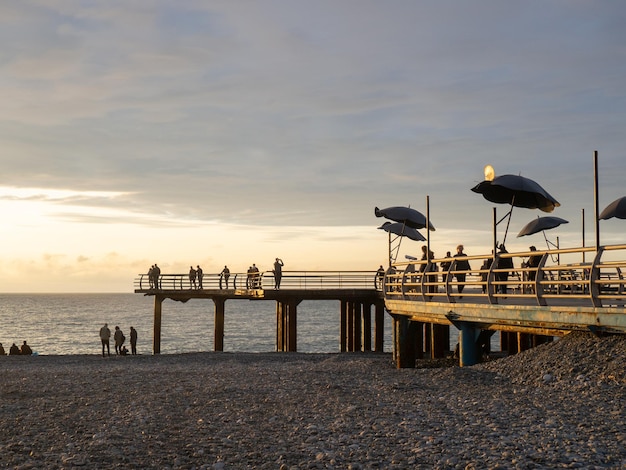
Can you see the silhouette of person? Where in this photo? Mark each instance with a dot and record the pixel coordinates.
(255, 276)
(200, 275)
(156, 274)
(26, 350)
(533, 262)
(133, 340)
(483, 276)
(445, 267)
(151, 276)
(192, 278)
(119, 338)
(432, 267)
(278, 272)
(14, 350)
(461, 265)
(105, 335)
(380, 275)
(225, 274)
(504, 263)
(2, 351)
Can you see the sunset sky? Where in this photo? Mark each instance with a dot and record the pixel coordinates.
(233, 132)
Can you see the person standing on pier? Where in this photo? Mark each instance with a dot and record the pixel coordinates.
(461, 265)
(133, 341)
(151, 276)
(278, 272)
(445, 267)
(105, 335)
(225, 274)
(505, 264)
(192, 278)
(380, 277)
(200, 275)
(156, 276)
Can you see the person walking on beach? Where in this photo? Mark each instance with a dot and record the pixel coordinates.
(192, 278)
(278, 272)
(461, 265)
(105, 335)
(25, 350)
(225, 274)
(119, 338)
(133, 341)
(200, 275)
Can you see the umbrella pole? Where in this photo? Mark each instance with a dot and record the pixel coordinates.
(583, 226)
(428, 227)
(595, 198)
(495, 233)
(509, 220)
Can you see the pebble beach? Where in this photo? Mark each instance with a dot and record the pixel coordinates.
(560, 405)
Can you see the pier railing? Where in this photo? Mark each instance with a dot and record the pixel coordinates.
(303, 280)
(583, 276)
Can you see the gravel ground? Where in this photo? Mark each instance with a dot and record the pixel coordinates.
(560, 405)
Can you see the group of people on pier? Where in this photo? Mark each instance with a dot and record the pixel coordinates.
(14, 350)
(119, 339)
(196, 276)
(460, 266)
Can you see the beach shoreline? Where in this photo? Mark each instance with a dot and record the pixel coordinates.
(559, 405)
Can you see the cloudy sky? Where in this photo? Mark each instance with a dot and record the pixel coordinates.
(223, 132)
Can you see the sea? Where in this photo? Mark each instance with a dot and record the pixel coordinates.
(61, 324)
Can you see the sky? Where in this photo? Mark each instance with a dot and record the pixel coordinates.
(230, 133)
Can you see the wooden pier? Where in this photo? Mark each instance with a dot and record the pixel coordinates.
(569, 289)
(359, 299)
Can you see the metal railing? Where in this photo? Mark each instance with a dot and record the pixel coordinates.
(307, 280)
(562, 276)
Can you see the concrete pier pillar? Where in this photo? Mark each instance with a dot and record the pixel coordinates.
(379, 326)
(156, 335)
(218, 334)
(405, 332)
(469, 350)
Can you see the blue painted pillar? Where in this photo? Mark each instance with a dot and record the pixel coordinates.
(469, 351)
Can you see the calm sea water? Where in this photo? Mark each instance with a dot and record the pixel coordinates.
(70, 323)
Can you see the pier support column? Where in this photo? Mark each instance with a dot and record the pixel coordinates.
(286, 325)
(440, 344)
(156, 335)
(343, 326)
(404, 334)
(379, 326)
(366, 333)
(218, 334)
(357, 312)
(469, 350)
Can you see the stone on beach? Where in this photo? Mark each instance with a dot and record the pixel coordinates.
(290, 410)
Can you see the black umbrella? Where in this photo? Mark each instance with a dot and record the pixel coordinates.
(616, 209)
(540, 224)
(402, 230)
(517, 191)
(406, 215)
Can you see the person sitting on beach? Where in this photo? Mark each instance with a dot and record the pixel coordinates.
(14, 350)
(124, 351)
(2, 351)
(26, 350)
